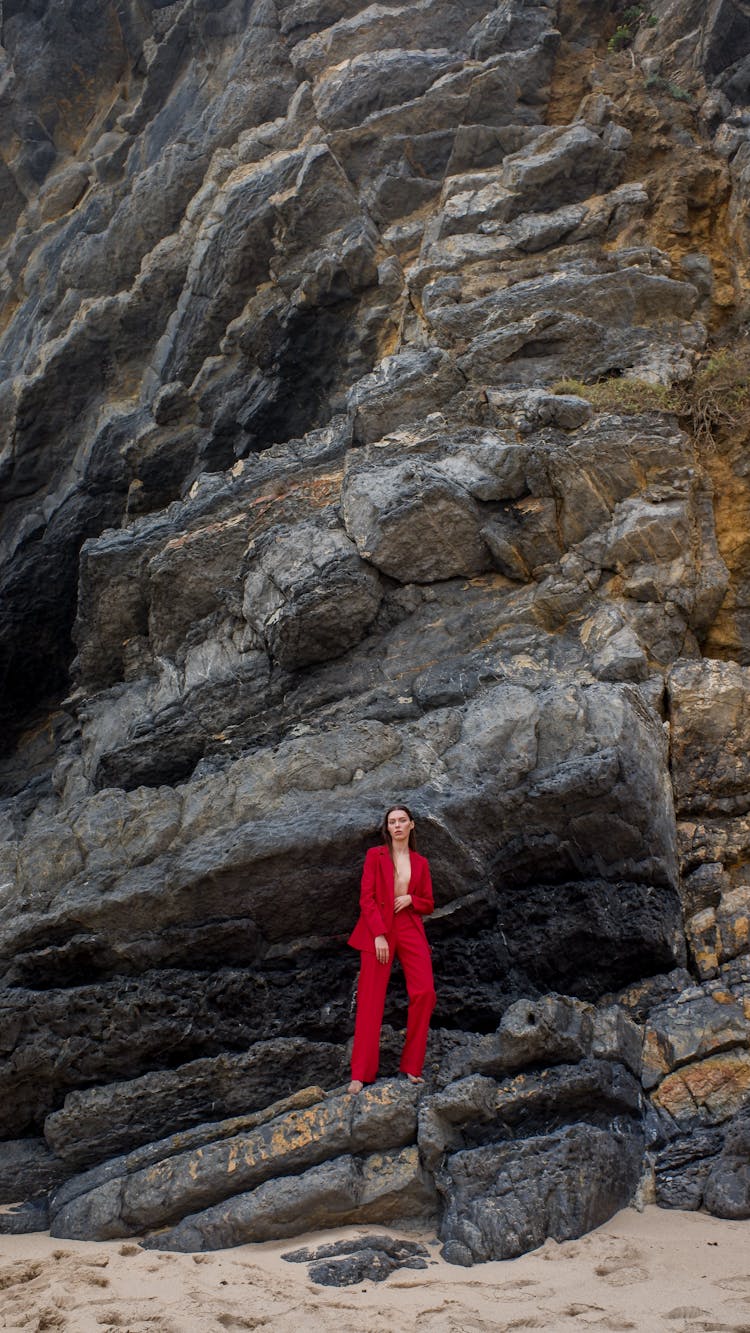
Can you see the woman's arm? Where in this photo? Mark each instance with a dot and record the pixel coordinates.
(370, 910)
(421, 897)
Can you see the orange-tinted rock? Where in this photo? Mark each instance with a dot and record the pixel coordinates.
(699, 1026)
(703, 940)
(709, 1091)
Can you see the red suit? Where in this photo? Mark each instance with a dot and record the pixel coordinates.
(406, 937)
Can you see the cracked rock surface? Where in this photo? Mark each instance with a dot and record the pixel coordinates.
(347, 456)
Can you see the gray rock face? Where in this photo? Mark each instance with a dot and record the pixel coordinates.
(682, 1169)
(98, 1123)
(29, 1169)
(727, 1189)
(410, 521)
(506, 1200)
(338, 357)
(310, 597)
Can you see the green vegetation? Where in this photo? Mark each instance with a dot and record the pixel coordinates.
(655, 83)
(621, 37)
(632, 19)
(714, 403)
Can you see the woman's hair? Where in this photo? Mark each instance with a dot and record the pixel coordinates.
(384, 826)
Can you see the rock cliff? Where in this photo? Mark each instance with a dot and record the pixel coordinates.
(374, 416)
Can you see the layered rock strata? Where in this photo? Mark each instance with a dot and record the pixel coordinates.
(307, 507)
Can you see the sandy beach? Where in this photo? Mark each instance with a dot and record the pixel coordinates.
(650, 1271)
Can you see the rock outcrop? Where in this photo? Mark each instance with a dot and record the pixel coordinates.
(361, 440)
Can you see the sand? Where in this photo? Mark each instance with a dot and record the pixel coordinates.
(648, 1271)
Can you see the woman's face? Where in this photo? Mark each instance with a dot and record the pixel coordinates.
(399, 826)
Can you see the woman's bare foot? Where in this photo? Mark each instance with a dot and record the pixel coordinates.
(355, 1085)
(414, 1079)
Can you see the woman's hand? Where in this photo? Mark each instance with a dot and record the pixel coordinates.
(403, 900)
(381, 948)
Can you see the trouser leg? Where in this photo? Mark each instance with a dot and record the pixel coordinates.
(414, 955)
(373, 983)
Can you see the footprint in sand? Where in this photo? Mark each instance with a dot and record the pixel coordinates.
(49, 1318)
(578, 1309)
(687, 1312)
(697, 1320)
(623, 1267)
(19, 1274)
(93, 1280)
(232, 1321)
(564, 1250)
(443, 1319)
(617, 1274)
(595, 1316)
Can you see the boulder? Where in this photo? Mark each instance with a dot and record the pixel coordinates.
(678, 1034)
(386, 1187)
(98, 1123)
(503, 1200)
(308, 595)
(410, 521)
(727, 1188)
(682, 1168)
(707, 1092)
(369, 1259)
(186, 1182)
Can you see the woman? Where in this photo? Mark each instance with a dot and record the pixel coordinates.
(396, 893)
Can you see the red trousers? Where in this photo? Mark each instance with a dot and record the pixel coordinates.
(407, 941)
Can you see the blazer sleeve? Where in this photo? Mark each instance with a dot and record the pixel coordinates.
(421, 898)
(367, 900)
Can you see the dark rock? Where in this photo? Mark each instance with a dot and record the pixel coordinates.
(370, 1259)
(308, 596)
(681, 1169)
(477, 1110)
(161, 1019)
(25, 1218)
(503, 1200)
(710, 758)
(638, 1000)
(703, 887)
(29, 1168)
(546, 1031)
(410, 522)
(617, 1037)
(727, 1188)
(101, 1122)
(404, 388)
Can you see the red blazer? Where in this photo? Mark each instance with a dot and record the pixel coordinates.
(377, 894)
